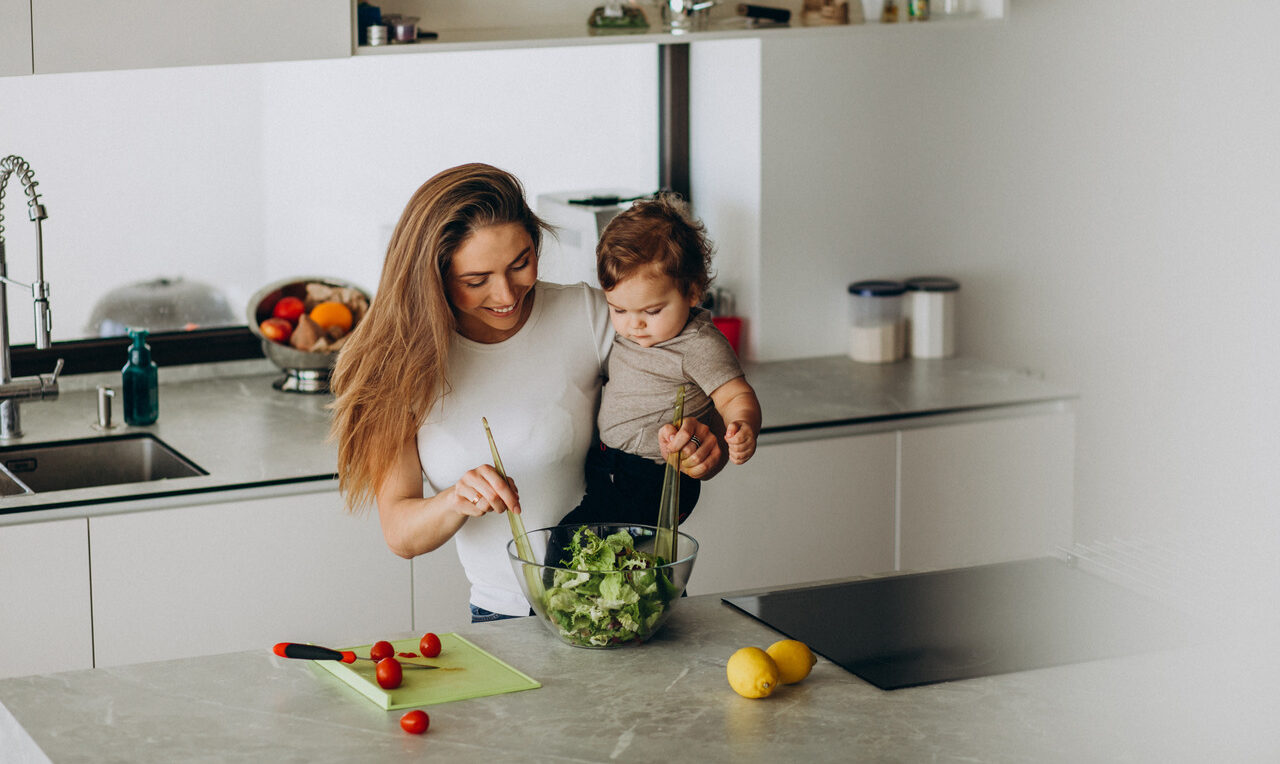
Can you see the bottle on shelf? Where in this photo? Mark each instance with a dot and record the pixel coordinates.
(367, 15)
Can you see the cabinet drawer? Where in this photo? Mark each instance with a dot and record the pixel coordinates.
(986, 491)
(44, 598)
(91, 35)
(15, 37)
(242, 575)
(797, 512)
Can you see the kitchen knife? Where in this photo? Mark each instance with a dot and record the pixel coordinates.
(318, 653)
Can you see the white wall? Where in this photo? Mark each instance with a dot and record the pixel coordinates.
(143, 174)
(560, 118)
(239, 175)
(725, 174)
(1103, 178)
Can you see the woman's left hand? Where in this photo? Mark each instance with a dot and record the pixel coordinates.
(701, 455)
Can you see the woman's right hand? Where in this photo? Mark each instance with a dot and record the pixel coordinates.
(482, 490)
(705, 457)
(413, 525)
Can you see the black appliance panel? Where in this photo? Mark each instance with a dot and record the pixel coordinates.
(922, 628)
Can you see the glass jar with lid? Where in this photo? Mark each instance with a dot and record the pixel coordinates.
(877, 331)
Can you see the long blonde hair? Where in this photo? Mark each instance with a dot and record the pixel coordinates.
(394, 365)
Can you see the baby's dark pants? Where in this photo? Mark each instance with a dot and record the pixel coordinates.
(625, 488)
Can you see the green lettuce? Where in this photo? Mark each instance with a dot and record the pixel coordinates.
(623, 605)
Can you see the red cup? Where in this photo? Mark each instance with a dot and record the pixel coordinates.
(731, 328)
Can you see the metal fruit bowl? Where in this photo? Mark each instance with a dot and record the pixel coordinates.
(304, 371)
(586, 609)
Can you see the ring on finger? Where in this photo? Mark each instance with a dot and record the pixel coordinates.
(475, 500)
(696, 443)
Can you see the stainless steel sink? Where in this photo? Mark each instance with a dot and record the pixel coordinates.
(9, 485)
(64, 465)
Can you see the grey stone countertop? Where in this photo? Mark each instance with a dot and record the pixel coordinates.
(667, 700)
(832, 391)
(229, 420)
(226, 418)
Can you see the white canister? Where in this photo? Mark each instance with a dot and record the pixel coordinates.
(877, 332)
(931, 316)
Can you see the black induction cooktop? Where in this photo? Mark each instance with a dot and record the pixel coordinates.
(922, 628)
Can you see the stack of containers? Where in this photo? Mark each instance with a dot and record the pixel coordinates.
(891, 319)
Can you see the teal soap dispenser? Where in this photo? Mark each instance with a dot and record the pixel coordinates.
(141, 388)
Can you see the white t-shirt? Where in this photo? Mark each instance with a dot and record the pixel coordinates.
(540, 390)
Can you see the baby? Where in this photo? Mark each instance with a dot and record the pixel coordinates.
(653, 261)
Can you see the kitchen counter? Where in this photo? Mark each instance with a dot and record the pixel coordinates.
(229, 420)
(665, 701)
(226, 418)
(835, 392)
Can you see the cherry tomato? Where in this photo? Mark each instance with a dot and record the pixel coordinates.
(276, 329)
(381, 650)
(288, 308)
(389, 673)
(429, 645)
(415, 722)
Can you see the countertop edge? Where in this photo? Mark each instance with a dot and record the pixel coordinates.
(255, 441)
(73, 509)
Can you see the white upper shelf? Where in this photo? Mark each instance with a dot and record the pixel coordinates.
(566, 35)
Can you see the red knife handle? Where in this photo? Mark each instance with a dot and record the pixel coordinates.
(312, 652)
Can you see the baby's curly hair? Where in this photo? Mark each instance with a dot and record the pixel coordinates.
(660, 233)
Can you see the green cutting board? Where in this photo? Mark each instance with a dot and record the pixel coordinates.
(466, 672)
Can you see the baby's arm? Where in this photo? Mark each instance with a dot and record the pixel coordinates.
(740, 410)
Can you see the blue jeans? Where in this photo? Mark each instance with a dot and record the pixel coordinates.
(480, 615)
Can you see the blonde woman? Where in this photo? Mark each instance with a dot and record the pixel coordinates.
(461, 328)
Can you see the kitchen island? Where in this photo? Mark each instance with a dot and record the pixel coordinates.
(667, 700)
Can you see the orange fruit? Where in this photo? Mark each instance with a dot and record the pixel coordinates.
(329, 314)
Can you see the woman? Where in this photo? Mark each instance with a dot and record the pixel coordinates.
(461, 329)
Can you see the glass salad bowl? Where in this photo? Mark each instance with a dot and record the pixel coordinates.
(600, 585)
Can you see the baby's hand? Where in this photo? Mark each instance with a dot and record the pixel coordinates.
(742, 441)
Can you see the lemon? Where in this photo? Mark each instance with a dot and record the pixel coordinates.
(793, 658)
(752, 673)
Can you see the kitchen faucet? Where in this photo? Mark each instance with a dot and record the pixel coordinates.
(679, 15)
(43, 386)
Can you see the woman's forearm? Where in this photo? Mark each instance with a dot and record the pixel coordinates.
(413, 525)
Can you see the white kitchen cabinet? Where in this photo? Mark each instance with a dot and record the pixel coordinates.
(947, 491)
(986, 491)
(44, 598)
(242, 575)
(441, 592)
(797, 512)
(90, 35)
(15, 37)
